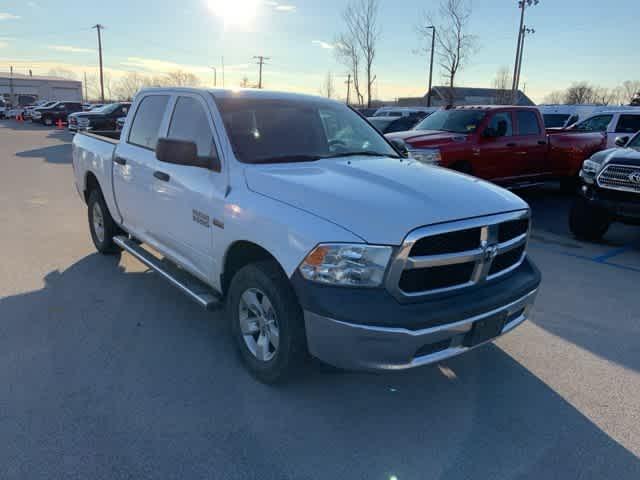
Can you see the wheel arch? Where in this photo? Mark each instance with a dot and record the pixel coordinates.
(240, 254)
(90, 183)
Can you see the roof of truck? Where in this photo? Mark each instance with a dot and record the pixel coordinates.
(241, 93)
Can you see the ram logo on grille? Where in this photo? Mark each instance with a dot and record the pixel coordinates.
(489, 252)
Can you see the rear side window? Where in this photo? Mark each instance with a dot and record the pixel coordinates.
(628, 124)
(189, 122)
(528, 123)
(146, 124)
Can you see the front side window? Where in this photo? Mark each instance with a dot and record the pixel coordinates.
(501, 125)
(555, 120)
(146, 124)
(457, 121)
(635, 142)
(628, 124)
(189, 122)
(599, 123)
(271, 130)
(528, 123)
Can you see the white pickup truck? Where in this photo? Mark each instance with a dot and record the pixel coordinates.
(309, 227)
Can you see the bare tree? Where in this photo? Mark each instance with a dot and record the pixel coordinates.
(347, 53)
(454, 44)
(361, 21)
(63, 73)
(180, 78)
(579, 93)
(328, 88)
(128, 86)
(630, 91)
(554, 98)
(502, 84)
(604, 96)
(244, 83)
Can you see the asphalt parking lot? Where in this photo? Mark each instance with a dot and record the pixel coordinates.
(107, 372)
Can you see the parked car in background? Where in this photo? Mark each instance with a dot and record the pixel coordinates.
(28, 111)
(403, 111)
(505, 144)
(264, 201)
(367, 112)
(614, 123)
(609, 191)
(396, 124)
(14, 112)
(103, 118)
(58, 111)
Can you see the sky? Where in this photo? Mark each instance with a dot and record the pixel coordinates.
(575, 40)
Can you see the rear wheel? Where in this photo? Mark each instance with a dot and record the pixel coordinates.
(48, 121)
(266, 322)
(101, 224)
(588, 222)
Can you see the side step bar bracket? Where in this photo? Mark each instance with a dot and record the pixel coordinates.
(187, 283)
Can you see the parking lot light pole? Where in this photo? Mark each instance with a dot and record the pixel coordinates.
(99, 27)
(433, 47)
(215, 76)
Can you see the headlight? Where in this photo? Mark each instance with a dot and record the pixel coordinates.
(590, 167)
(427, 155)
(346, 264)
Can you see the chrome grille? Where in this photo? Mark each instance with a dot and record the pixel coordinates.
(620, 177)
(456, 255)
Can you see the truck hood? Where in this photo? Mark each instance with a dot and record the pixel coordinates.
(431, 138)
(380, 199)
(625, 156)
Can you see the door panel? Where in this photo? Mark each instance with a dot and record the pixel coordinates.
(532, 145)
(497, 152)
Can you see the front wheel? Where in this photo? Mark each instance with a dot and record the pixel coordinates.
(266, 322)
(48, 121)
(588, 222)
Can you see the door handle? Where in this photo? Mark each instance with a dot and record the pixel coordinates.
(120, 160)
(162, 176)
(511, 145)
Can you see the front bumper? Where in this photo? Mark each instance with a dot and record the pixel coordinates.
(361, 347)
(368, 329)
(621, 206)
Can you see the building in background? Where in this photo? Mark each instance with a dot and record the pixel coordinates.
(443, 96)
(17, 89)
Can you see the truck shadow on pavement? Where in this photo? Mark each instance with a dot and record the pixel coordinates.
(109, 372)
(58, 154)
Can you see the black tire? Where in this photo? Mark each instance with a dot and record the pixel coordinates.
(569, 185)
(587, 222)
(47, 121)
(463, 167)
(291, 353)
(103, 242)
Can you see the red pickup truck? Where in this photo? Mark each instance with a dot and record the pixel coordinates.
(504, 144)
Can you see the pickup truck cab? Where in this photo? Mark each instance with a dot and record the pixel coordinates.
(609, 192)
(506, 145)
(612, 123)
(308, 226)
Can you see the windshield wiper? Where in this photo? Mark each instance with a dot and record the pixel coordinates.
(288, 159)
(363, 154)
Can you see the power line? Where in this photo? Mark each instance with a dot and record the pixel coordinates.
(260, 63)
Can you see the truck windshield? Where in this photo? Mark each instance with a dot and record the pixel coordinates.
(283, 131)
(555, 120)
(458, 121)
(634, 142)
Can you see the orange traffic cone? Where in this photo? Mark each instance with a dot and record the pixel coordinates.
(59, 124)
(19, 117)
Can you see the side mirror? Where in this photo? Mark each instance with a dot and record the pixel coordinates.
(184, 152)
(621, 141)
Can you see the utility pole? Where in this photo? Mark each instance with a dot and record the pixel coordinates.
(526, 31)
(215, 76)
(348, 82)
(222, 72)
(99, 27)
(433, 47)
(522, 5)
(86, 92)
(11, 85)
(260, 62)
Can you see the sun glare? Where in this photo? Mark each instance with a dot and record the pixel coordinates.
(238, 13)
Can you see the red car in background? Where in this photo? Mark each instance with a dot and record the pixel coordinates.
(504, 144)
